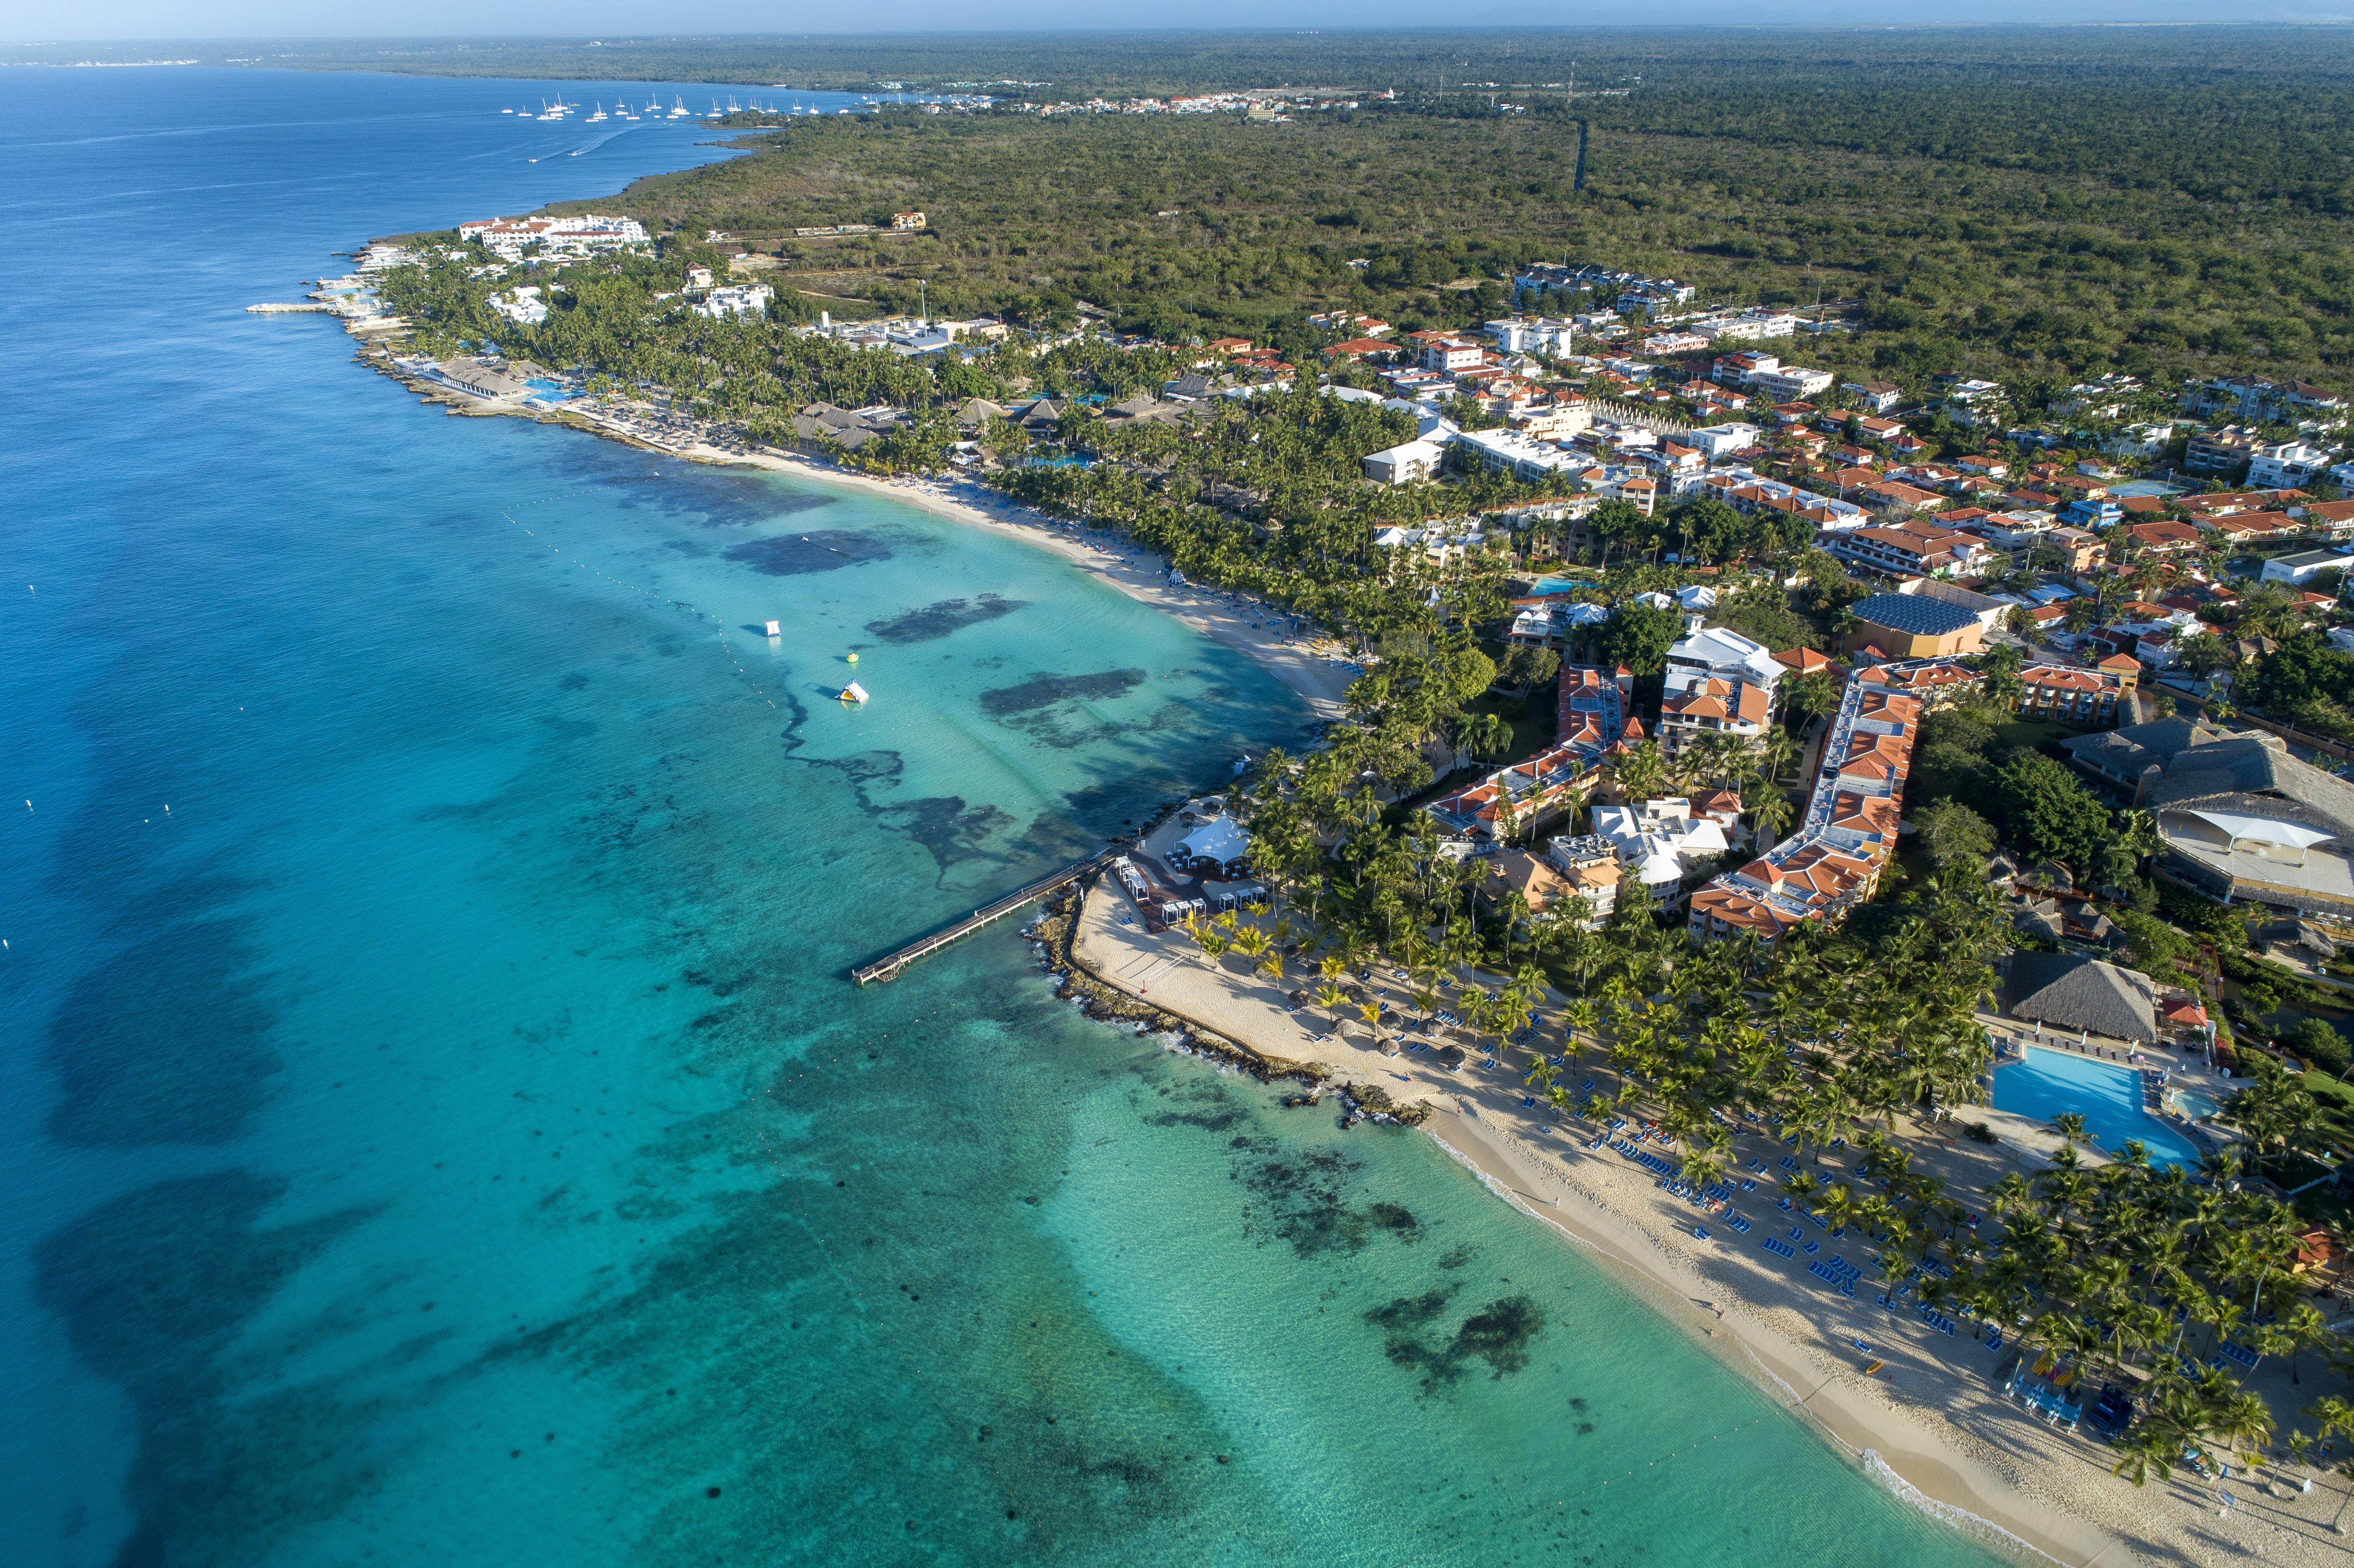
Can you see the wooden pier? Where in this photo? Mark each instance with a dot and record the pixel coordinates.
(888, 966)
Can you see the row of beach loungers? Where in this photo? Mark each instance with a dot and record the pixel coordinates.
(1837, 1274)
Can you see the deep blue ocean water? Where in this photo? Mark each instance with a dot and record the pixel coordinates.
(436, 1123)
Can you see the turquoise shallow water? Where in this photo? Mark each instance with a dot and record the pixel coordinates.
(446, 1133)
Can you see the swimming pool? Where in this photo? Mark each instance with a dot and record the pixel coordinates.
(2198, 1107)
(2043, 1083)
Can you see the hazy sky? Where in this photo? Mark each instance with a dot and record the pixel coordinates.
(28, 20)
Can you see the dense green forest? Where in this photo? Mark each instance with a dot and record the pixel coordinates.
(2030, 211)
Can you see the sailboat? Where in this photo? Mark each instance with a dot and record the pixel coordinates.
(678, 109)
(599, 114)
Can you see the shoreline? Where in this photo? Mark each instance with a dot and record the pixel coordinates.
(1232, 620)
(1933, 1425)
(1223, 617)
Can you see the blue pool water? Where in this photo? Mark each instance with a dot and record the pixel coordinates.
(2043, 1084)
(447, 1133)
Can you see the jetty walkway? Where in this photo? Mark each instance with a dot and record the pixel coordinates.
(888, 966)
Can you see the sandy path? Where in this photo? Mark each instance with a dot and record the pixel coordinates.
(1930, 1425)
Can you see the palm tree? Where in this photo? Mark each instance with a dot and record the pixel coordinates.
(1769, 817)
(1331, 999)
(1641, 771)
(2337, 1418)
(1483, 734)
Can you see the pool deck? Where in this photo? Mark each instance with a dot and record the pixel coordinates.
(2185, 1072)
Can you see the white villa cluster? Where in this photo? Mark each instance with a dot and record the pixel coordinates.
(521, 305)
(1660, 842)
(735, 300)
(582, 234)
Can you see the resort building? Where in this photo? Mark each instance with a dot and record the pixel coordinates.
(1718, 654)
(2131, 760)
(2084, 698)
(1404, 464)
(2077, 995)
(580, 234)
(1660, 842)
(1552, 622)
(1915, 626)
(1848, 833)
(1713, 707)
(2244, 822)
(1911, 548)
(735, 300)
(1540, 883)
(1590, 865)
(1514, 800)
(473, 376)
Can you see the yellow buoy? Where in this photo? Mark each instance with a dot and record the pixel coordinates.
(853, 658)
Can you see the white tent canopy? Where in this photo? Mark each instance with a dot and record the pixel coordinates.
(2264, 830)
(1219, 839)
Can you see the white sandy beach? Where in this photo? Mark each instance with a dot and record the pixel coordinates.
(1931, 1423)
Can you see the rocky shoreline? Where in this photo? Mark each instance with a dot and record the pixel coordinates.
(1052, 934)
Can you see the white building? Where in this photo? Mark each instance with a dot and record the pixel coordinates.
(522, 306)
(737, 300)
(1749, 324)
(1532, 335)
(2289, 465)
(1715, 442)
(1508, 451)
(1789, 383)
(2303, 565)
(1417, 460)
(1553, 625)
(1717, 653)
(580, 234)
(2139, 441)
(1590, 865)
(1660, 842)
(1451, 354)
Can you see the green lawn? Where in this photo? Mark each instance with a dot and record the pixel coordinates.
(2031, 733)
